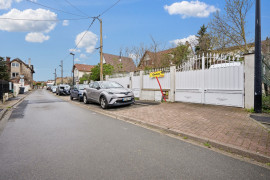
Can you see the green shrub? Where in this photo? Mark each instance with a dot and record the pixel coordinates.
(266, 102)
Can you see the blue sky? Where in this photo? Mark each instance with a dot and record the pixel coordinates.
(129, 23)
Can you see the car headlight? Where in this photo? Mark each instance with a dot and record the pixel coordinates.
(110, 92)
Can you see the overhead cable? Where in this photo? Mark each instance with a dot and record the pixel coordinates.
(55, 8)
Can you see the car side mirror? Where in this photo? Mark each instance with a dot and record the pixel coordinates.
(98, 88)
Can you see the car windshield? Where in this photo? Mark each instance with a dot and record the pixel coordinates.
(109, 84)
(82, 86)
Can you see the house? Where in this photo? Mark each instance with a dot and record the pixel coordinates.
(80, 70)
(66, 80)
(121, 64)
(157, 59)
(237, 50)
(20, 72)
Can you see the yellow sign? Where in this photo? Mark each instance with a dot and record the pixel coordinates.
(156, 74)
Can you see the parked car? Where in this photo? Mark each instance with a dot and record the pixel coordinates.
(108, 93)
(53, 89)
(63, 89)
(77, 91)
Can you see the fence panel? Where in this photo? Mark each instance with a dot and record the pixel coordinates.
(136, 85)
(124, 81)
(151, 83)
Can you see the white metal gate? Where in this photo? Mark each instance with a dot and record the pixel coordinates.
(211, 80)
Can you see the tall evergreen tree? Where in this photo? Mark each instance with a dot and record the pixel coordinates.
(4, 75)
(204, 41)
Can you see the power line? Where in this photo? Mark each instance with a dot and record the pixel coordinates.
(56, 20)
(85, 33)
(94, 18)
(54, 8)
(109, 8)
(76, 8)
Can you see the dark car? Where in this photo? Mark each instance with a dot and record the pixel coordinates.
(108, 93)
(77, 91)
(63, 89)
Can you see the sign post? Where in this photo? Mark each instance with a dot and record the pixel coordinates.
(157, 75)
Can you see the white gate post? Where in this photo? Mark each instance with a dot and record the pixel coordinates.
(107, 77)
(203, 79)
(172, 83)
(249, 80)
(141, 82)
(130, 79)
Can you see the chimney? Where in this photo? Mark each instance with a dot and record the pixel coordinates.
(29, 62)
(8, 59)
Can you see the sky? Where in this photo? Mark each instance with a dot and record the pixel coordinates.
(129, 23)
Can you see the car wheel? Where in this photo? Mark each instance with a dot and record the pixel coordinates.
(85, 99)
(103, 102)
(71, 98)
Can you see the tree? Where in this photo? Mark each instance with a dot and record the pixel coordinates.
(230, 29)
(3, 70)
(85, 77)
(177, 56)
(204, 41)
(95, 72)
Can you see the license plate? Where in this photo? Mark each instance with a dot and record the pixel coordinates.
(127, 99)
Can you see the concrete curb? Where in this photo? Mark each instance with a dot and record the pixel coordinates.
(3, 112)
(225, 147)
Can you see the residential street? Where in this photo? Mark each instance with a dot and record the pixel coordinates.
(48, 138)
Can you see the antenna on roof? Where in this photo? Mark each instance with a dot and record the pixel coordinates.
(120, 56)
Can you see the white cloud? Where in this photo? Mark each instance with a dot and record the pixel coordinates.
(192, 39)
(77, 60)
(65, 23)
(88, 42)
(191, 9)
(6, 4)
(36, 37)
(74, 50)
(83, 56)
(28, 26)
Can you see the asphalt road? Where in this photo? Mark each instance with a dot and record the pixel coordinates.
(47, 138)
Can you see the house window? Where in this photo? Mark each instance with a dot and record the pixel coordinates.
(15, 64)
(15, 74)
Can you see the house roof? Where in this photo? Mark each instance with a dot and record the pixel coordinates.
(158, 55)
(20, 61)
(127, 63)
(83, 67)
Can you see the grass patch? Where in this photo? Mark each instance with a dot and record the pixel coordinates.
(250, 110)
(268, 164)
(136, 98)
(207, 144)
(185, 137)
(9, 107)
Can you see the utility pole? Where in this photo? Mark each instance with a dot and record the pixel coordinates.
(61, 71)
(72, 68)
(258, 61)
(101, 53)
(55, 76)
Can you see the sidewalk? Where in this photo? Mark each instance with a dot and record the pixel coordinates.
(10, 103)
(227, 128)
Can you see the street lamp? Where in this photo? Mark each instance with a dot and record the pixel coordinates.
(73, 67)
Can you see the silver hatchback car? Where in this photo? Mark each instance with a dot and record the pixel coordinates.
(108, 93)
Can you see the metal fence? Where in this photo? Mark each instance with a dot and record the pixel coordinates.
(4, 88)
